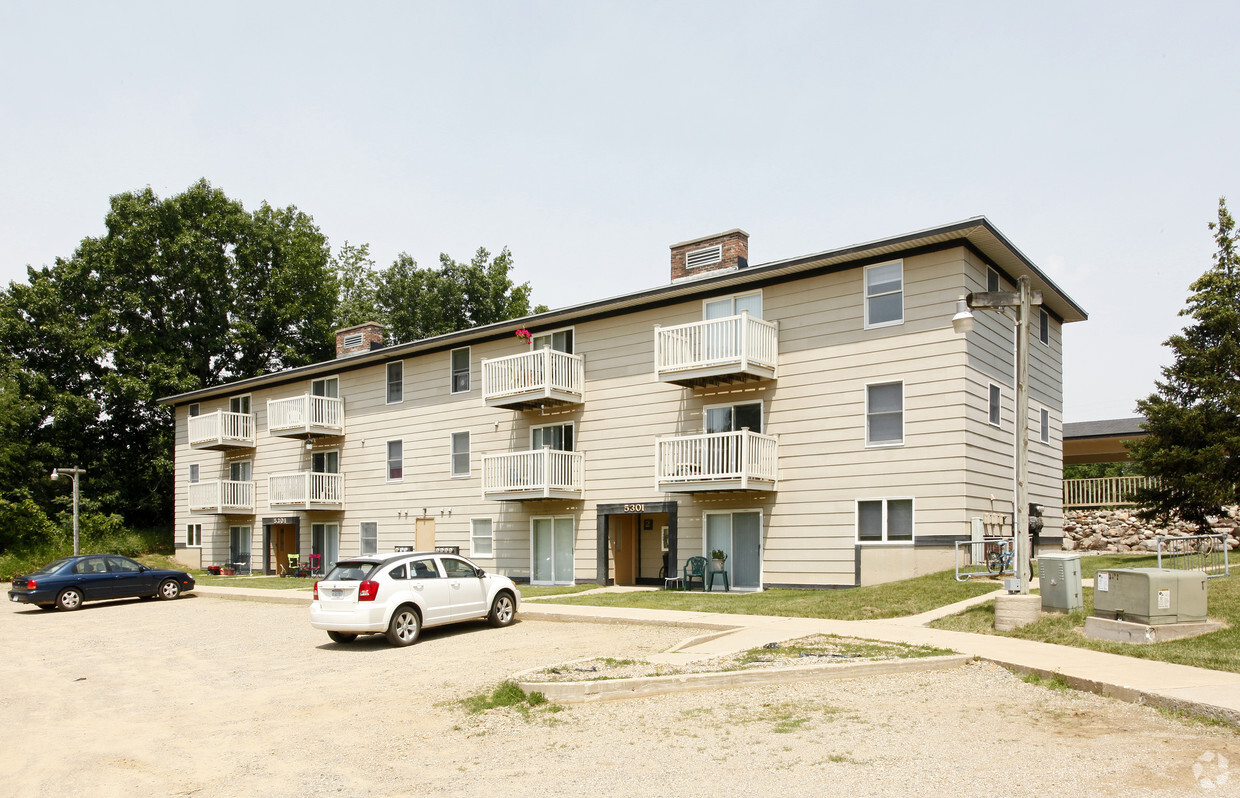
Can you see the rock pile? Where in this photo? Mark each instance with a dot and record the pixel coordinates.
(1122, 530)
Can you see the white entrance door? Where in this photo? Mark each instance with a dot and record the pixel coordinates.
(552, 555)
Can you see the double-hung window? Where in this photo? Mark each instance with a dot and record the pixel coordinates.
(395, 382)
(460, 369)
(481, 537)
(460, 454)
(194, 472)
(368, 534)
(395, 461)
(996, 405)
(884, 521)
(884, 414)
(884, 294)
(1044, 426)
(1044, 327)
(193, 535)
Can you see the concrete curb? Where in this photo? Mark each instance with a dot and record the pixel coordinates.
(264, 595)
(636, 687)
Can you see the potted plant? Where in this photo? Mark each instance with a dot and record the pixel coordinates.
(226, 571)
(719, 558)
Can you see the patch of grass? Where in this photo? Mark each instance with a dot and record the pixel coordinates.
(842, 647)
(891, 600)
(530, 591)
(1055, 681)
(1218, 651)
(264, 582)
(507, 694)
(1196, 719)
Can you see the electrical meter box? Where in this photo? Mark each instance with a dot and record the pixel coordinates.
(1150, 595)
(1059, 580)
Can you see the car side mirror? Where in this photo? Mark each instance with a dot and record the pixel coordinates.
(481, 573)
(144, 568)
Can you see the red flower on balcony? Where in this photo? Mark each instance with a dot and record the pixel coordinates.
(525, 335)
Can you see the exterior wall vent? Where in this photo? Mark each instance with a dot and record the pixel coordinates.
(707, 256)
(354, 340)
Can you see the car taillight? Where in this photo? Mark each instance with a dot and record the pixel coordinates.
(366, 591)
(31, 584)
(316, 590)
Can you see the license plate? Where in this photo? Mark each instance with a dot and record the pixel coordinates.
(14, 598)
(337, 593)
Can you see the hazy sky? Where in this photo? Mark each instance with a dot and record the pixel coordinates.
(587, 137)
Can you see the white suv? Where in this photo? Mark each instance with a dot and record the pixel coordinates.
(398, 594)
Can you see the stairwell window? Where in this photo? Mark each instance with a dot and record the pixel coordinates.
(193, 472)
(368, 537)
(1044, 327)
(996, 405)
(395, 461)
(1044, 426)
(396, 382)
(884, 520)
(460, 370)
(460, 454)
(884, 414)
(884, 294)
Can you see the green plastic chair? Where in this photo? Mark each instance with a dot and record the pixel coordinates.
(695, 567)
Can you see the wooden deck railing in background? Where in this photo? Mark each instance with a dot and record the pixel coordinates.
(1102, 491)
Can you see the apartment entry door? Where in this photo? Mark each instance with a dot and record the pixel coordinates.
(281, 537)
(636, 543)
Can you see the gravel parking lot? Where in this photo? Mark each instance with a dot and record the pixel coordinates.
(207, 697)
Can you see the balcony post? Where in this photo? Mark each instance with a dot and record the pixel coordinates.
(546, 475)
(744, 458)
(744, 342)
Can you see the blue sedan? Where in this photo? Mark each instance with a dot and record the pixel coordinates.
(65, 583)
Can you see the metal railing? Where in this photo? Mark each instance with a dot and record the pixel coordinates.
(305, 412)
(221, 494)
(305, 488)
(988, 557)
(537, 472)
(1195, 553)
(541, 371)
(743, 340)
(1103, 491)
(742, 456)
(222, 426)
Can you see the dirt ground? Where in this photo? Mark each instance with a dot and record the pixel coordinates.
(206, 697)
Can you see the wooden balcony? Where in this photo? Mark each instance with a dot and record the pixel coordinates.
(530, 380)
(306, 490)
(717, 461)
(222, 430)
(305, 416)
(538, 474)
(1103, 491)
(221, 497)
(719, 351)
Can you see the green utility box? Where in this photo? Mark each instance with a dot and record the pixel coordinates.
(1059, 580)
(1150, 595)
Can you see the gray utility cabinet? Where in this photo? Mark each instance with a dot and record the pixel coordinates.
(1150, 595)
(1059, 580)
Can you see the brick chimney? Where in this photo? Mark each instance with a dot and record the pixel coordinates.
(720, 252)
(360, 338)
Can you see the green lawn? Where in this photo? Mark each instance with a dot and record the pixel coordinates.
(891, 600)
(1217, 651)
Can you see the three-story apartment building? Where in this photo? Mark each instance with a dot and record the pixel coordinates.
(816, 418)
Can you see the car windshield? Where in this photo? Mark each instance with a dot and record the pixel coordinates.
(349, 571)
(53, 566)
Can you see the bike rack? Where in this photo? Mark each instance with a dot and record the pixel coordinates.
(981, 554)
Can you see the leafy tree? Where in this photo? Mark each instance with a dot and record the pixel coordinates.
(1192, 444)
(356, 283)
(1095, 470)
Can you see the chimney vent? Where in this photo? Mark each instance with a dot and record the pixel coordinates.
(361, 338)
(700, 256)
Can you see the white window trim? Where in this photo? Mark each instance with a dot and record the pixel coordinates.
(188, 536)
(360, 538)
(469, 367)
(761, 412)
(452, 453)
(733, 297)
(387, 459)
(326, 452)
(194, 473)
(472, 537)
(335, 377)
(1044, 323)
(999, 423)
(1044, 425)
(249, 460)
(903, 415)
(884, 542)
(570, 424)
(553, 519)
(387, 382)
(249, 396)
(551, 333)
(865, 296)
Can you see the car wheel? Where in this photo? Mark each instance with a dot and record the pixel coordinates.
(404, 627)
(503, 610)
(69, 599)
(342, 637)
(169, 589)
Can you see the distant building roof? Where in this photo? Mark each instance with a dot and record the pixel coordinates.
(1100, 441)
(1105, 428)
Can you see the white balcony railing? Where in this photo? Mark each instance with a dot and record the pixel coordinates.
(306, 489)
(543, 374)
(305, 414)
(221, 429)
(541, 473)
(221, 496)
(740, 460)
(740, 344)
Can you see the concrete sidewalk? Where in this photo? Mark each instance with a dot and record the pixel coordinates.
(1204, 692)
